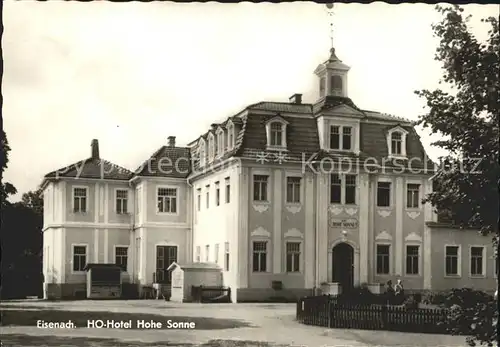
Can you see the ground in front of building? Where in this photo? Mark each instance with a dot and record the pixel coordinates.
(263, 325)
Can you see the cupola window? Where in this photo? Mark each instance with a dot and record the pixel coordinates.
(336, 85)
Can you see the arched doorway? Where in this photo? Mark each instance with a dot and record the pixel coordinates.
(343, 265)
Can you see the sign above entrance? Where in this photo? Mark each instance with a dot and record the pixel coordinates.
(343, 223)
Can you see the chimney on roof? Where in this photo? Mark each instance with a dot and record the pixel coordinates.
(213, 126)
(171, 141)
(296, 99)
(95, 149)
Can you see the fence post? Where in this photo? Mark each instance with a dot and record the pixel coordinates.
(329, 312)
(384, 316)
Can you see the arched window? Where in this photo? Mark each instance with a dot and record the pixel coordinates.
(230, 136)
(202, 153)
(336, 85)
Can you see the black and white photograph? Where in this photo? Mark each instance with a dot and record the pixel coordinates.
(249, 174)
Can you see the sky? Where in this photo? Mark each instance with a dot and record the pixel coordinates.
(132, 74)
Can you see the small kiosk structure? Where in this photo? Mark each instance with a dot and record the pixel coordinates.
(104, 281)
(185, 277)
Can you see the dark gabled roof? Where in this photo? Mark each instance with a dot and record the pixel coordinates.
(92, 168)
(173, 162)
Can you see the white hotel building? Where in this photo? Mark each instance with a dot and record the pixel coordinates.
(268, 195)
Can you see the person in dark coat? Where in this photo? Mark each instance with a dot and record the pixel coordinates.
(389, 292)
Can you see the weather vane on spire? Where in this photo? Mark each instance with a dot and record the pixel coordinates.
(329, 10)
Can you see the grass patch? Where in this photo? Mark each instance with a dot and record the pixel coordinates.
(79, 319)
(57, 341)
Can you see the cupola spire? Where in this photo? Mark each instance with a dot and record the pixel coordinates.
(332, 73)
(329, 10)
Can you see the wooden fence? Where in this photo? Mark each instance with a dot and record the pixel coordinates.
(327, 311)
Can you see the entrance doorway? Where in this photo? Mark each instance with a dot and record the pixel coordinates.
(165, 256)
(343, 265)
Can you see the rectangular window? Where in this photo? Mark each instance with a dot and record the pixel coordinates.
(80, 200)
(198, 199)
(198, 254)
(226, 256)
(334, 137)
(260, 187)
(79, 258)
(412, 260)
(121, 201)
(350, 189)
(207, 253)
(259, 256)
(121, 257)
(276, 134)
(335, 189)
(451, 261)
(228, 190)
(412, 196)
(383, 194)
(207, 197)
(293, 257)
(476, 261)
(216, 253)
(396, 142)
(346, 138)
(167, 200)
(383, 259)
(217, 194)
(293, 190)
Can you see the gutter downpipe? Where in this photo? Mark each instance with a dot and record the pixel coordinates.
(191, 222)
(132, 230)
(316, 255)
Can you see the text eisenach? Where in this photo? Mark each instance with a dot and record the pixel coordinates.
(55, 325)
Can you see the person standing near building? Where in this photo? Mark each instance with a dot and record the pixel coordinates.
(399, 292)
(389, 292)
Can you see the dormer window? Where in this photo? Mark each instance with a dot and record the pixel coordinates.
(336, 85)
(230, 135)
(341, 137)
(211, 147)
(276, 133)
(220, 142)
(202, 152)
(396, 142)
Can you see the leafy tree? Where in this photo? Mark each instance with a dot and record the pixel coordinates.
(467, 117)
(34, 201)
(468, 120)
(6, 188)
(21, 264)
(21, 237)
